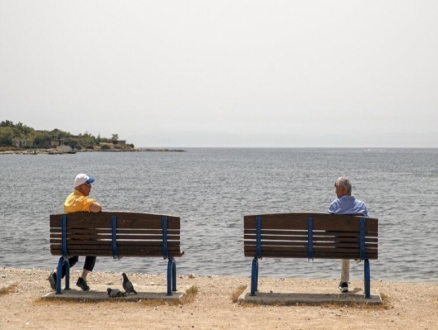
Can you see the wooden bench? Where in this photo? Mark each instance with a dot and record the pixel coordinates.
(310, 235)
(116, 234)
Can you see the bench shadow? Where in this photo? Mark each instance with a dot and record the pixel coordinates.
(286, 299)
(154, 293)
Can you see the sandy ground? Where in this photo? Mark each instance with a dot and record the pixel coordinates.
(406, 305)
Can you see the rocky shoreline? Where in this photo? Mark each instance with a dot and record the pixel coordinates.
(54, 151)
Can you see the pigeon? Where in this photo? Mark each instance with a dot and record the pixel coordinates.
(114, 293)
(127, 285)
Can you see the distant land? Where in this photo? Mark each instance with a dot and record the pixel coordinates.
(22, 139)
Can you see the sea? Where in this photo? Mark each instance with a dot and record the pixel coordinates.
(211, 189)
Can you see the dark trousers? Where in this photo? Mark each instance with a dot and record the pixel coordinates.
(88, 265)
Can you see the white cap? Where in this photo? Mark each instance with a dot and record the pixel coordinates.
(81, 179)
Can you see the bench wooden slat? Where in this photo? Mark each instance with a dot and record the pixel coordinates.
(305, 244)
(108, 247)
(304, 233)
(271, 251)
(108, 243)
(301, 255)
(149, 237)
(57, 230)
(297, 248)
(124, 220)
(305, 241)
(118, 236)
(350, 238)
(298, 221)
(122, 252)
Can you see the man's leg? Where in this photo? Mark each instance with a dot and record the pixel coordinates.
(88, 267)
(345, 271)
(345, 275)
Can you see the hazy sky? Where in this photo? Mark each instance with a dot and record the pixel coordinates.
(224, 73)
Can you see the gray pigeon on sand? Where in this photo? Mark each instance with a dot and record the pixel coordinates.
(114, 293)
(127, 285)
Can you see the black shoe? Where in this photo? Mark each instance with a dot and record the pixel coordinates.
(82, 284)
(52, 280)
(343, 286)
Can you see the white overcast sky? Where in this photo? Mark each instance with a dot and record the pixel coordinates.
(224, 73)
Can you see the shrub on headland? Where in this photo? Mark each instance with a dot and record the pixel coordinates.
(22, 136)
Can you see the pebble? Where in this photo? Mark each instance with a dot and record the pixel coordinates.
(191, 275)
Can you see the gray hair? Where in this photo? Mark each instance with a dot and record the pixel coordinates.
(344, 182)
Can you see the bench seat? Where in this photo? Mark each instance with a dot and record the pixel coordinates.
(116, 234)
(310, 235)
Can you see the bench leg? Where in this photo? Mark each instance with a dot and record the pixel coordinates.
(58, 275)
(257, 276)
(367, 278)
(67, 274)
(61, 263)
(254, 276)
(174, 275)
(171, 276)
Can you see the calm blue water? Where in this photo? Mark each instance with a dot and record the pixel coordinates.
(211, 190)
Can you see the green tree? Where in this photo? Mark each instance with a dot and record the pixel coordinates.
(41, 139)
(6, 135)
(6, 123)
(23, 130)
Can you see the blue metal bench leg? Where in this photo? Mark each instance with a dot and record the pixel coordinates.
(254, 276)
(67, 274)
(257, 276)
(367, 278)
(173, 275)
(61, 263)
(58, 275)
(169, 277)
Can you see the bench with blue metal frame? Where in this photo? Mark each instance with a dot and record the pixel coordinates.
(116, 234)
(310, 235)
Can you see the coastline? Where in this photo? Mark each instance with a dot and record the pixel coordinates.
(54, 151)
(406, 305)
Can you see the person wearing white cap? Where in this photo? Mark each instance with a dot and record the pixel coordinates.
(78, 201)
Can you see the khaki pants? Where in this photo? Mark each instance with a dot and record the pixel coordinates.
(345, 271)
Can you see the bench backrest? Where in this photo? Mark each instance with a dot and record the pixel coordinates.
(310, 235)
(117, 234)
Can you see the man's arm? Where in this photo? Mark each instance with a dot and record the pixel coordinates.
(95, 207)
